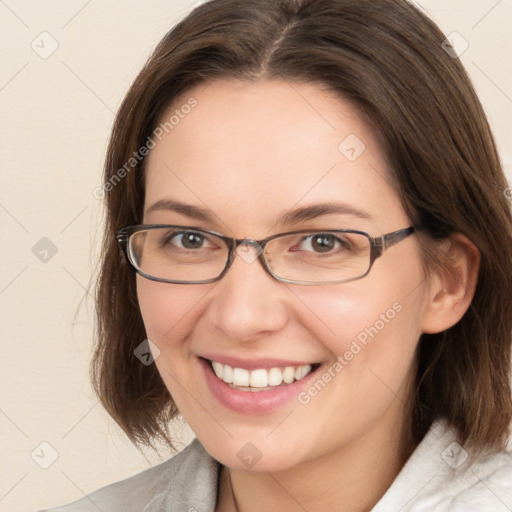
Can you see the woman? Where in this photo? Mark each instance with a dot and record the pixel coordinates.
(308, 256)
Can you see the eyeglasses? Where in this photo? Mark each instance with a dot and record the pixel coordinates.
(187, 255)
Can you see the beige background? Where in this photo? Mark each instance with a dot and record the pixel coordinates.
(56, 115)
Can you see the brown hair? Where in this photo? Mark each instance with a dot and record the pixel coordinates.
(387, 59)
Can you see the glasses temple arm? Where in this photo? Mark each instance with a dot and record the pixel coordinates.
(391, 239)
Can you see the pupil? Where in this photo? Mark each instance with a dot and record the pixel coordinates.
(192, 240)
(323, 243)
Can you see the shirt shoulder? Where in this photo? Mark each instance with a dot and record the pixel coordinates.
(187, 482)
(485, 483)
(441, 475)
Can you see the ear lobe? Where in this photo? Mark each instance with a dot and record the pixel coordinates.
(453, 285)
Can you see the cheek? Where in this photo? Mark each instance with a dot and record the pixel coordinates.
(338, 315)
(170, 313)
(373, 343)
(371, 330)
(168, 310)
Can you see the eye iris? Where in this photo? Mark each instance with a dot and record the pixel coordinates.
(192, 240)
(323, 243)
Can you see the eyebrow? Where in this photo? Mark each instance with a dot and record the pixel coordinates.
(290, 217)
(317, 210)
(185, 209)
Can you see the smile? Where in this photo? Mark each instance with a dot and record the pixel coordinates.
(260, 379)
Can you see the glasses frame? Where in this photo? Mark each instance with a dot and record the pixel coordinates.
(377, 247)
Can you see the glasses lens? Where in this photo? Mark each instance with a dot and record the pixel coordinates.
(323, 257)
(176, 254)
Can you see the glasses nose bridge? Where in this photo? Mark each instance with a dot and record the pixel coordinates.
(250, 241)
(241, 247)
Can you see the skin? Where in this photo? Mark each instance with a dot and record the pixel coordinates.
(250, 153)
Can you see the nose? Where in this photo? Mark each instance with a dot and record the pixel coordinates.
(247, 303)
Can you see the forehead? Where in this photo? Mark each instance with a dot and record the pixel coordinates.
(251, 151)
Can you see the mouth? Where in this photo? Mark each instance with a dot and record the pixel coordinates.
(260, 379)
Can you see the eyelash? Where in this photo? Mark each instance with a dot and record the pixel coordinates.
(339, 243)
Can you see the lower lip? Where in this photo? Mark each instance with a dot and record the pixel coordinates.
(253, 402)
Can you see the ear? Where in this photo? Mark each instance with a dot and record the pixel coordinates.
(453, 285)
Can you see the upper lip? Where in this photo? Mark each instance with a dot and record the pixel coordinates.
(254, 363)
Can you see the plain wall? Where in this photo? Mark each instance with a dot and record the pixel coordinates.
(56, 112)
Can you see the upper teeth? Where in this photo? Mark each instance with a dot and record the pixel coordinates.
(260, 378)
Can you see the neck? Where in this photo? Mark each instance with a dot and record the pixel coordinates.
(350, 479)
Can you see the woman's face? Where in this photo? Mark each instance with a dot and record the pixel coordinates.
(248, 155)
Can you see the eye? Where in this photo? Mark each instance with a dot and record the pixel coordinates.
(323, 243)
(186, 240)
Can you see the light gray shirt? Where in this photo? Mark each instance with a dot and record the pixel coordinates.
(439, 476)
